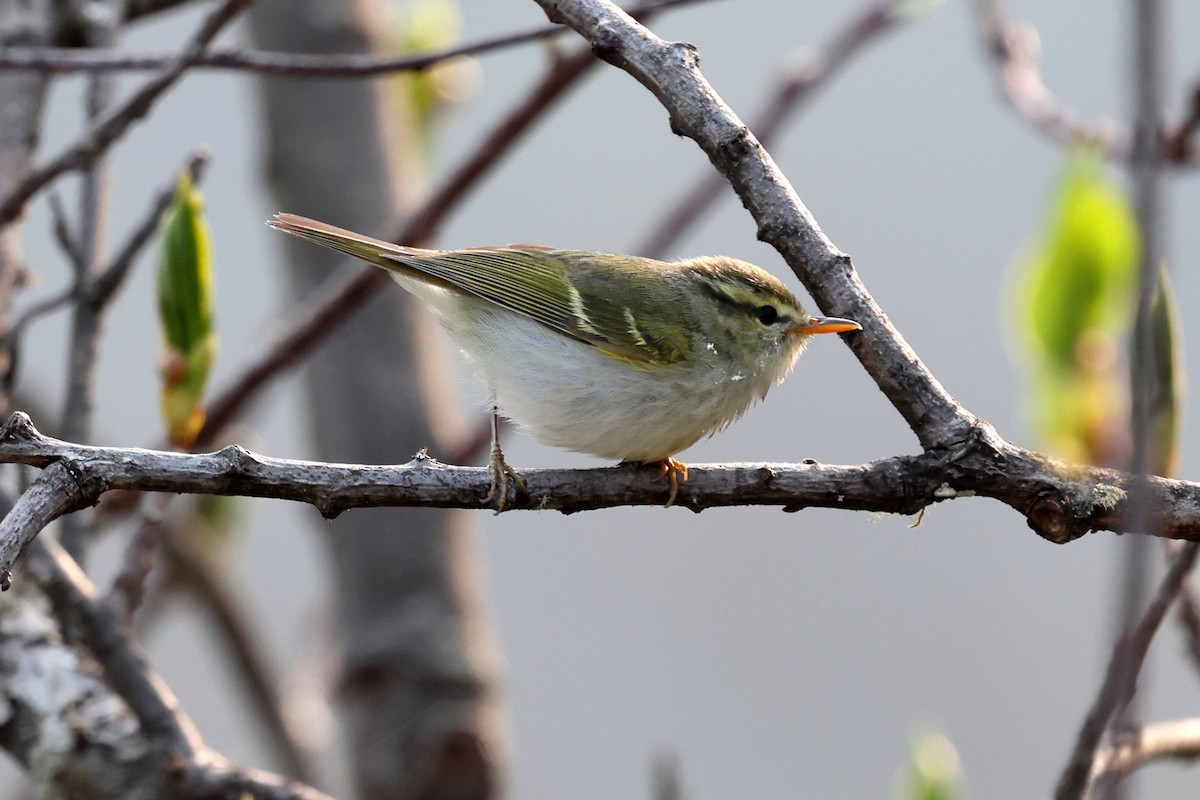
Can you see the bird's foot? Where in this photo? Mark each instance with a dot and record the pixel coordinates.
(504, 478)
(674, 470)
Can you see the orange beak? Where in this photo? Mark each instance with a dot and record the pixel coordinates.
(824, 325)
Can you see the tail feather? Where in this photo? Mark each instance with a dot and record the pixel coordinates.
(376, 251)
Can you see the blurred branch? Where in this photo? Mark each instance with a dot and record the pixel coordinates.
(207, 585)
(113, 125)
(99, 29)
(1146, 383)
(1015, 50)
(69, 60)
(787, 97)
(1179, 146)
(1120, 681)
(139, 9)
(1059, 504)
(129, 586)
(1188, 614)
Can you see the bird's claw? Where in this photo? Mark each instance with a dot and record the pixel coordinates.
(673, 470)
(504, 478)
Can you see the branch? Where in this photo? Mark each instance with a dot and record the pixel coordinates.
(114, 124)
(54, 493)
(1120, 681)
(1060, 502)
(1174, 741)
(70, 60)
(1015, 51)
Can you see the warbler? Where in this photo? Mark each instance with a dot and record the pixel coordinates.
(618, 356)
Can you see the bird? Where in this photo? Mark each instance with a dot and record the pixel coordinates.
(618, 356)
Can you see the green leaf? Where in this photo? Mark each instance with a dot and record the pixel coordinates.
(185, 309)
(1166, 379)
(1081, 276)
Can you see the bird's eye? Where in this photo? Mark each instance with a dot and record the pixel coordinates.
(767, 315)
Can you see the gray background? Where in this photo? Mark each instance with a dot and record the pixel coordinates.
(778, 655)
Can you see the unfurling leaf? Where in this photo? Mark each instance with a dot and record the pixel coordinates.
(1166, 379)
(185, 312)
(1075, 302)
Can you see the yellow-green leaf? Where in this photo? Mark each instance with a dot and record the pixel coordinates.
(185, 308)
(1082, 272)
(1166, 379)
(1073, 306)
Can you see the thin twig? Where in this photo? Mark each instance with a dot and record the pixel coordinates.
(1014, 48)
(99, 29)
(69, 60)
(1178, 145)
(114, 125)
(1120, 680)
(38, 309)
(786, 99)
(1163, 741)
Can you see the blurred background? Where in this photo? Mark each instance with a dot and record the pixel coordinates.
(773, 655)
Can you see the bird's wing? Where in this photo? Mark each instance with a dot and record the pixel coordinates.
(567, 290)
(563, 289)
